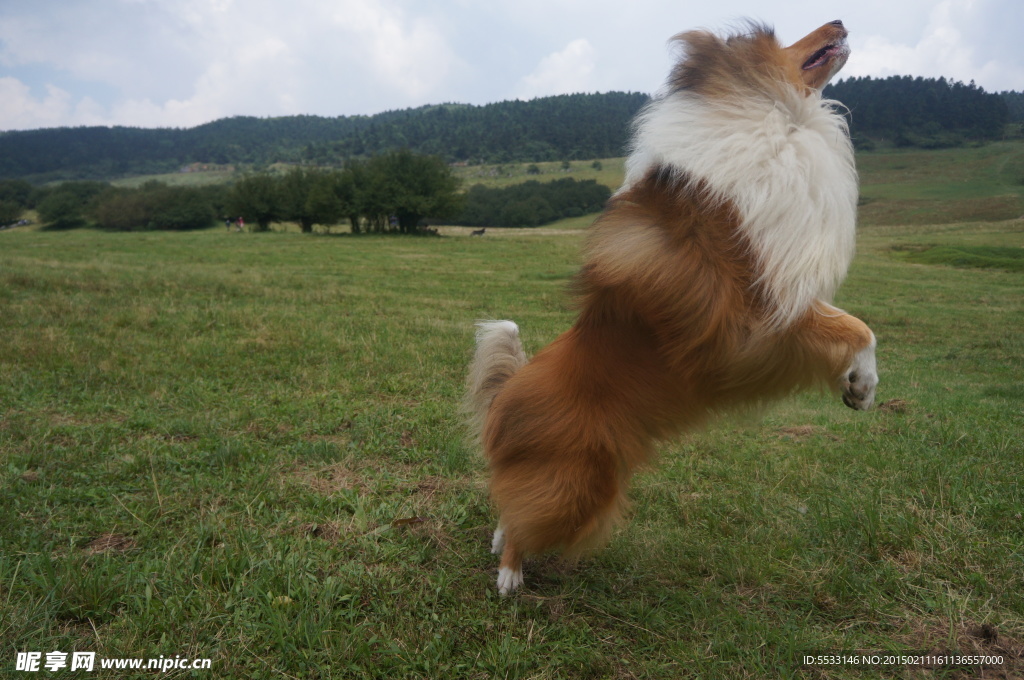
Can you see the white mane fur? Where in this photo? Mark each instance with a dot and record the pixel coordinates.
(785, 161)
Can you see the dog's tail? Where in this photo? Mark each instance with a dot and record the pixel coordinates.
(499, 354)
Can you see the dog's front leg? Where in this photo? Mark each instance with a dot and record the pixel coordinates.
(846, 346)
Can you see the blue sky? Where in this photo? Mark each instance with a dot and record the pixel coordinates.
(180, 63)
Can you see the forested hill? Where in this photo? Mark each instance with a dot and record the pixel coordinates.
(922, 112)
(896, 110)
(565, 127)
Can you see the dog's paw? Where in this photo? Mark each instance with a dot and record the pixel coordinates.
(509, 580)
(859, 380)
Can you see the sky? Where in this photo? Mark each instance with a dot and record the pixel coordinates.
(181, 63)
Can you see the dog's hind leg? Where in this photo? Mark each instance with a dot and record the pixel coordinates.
(510, 571)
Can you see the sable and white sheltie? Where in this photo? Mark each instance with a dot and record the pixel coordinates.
(706, 285)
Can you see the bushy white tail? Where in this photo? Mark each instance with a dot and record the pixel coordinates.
(499, 354)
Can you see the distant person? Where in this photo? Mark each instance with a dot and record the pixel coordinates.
(227, 223)
(241, 224)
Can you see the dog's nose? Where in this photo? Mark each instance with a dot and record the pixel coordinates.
(837, 22)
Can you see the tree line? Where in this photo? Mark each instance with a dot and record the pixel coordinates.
(920, 112)
(394, 191)
(81, 203)
(565, 127)
(398, 191)
(531, 203)
(900, 109)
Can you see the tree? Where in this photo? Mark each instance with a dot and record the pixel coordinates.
(395, 190)
(17, 191)
(531, 203)
(10, 212)
(345, 185)
(255, 198)
(121, 209)
(15, 197)
(307, 196)
(371, 193)
(179, 208)
(415, 187)
(64, 206)
(61, 210)
(154, 205)
(323, 205)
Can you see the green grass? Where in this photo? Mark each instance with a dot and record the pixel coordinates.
(199, 176)
(944, 186)
(246, 447)
(980, 257)
(610, 174)
(495, 175)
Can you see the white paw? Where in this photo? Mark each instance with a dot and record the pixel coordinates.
(498, 542)
(859, 380)
(509, 580)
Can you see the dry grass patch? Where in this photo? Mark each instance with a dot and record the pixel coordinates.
(110, 542)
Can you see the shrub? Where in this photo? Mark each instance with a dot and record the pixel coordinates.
(10, 212)
(532, 203)
(154, 206)
(64, 206)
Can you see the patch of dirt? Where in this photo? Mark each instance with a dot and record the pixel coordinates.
(970, 639)
(327, 531)
(894, 406)
(331, 480)
(110, 542)
(801, 432)
(908, 561)
(431, 486)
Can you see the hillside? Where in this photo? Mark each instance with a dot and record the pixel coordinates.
(580, 126)
(921, 112)
(896, 111)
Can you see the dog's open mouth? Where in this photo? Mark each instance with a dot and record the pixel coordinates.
(826, 54)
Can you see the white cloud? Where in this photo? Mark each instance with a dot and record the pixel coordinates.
(184, 62)
(409, 55)
(953, 44)
(564, 72)
(20, 110)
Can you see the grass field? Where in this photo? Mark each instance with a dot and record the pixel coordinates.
(195, 178)
(609, 172)
(247, 448)
(942, 186)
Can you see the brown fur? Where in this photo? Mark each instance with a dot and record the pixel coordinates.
(718, 67)
(671, 330)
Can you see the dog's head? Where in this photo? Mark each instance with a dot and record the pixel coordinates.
(816, 58)
(755, 61)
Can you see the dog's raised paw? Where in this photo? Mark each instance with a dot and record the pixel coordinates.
(860, 379)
